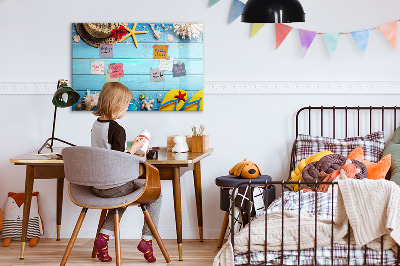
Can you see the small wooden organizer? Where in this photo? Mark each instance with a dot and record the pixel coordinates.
(200, 143)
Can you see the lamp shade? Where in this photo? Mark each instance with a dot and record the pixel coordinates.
(65, 96)
(273, 11)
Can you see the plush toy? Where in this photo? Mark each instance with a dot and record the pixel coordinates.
(13, 215)
(375, 170)
(296, 174)
(180, 144)
(245, 169)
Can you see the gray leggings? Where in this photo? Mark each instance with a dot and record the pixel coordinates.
(154, 208)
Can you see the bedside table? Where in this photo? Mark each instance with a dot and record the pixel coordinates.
(226, 183)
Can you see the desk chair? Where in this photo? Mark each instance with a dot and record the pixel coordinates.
(85, 167)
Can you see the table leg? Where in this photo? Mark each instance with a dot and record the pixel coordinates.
(60, 190)
(27, 206)
(176, 183)
(199, 205)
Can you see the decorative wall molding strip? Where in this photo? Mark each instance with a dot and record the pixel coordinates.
(303, 87)
(251, 87)
(27, 88)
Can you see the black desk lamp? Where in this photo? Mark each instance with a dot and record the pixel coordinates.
(273, 11)
(63, 97)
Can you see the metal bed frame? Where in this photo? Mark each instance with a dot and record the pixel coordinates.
(283, 184)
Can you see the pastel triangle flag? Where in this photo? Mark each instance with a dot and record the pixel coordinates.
(213, 2)
(256, 28)
(237, 9)
(281, 31)
(306, 39)
(389, 30)
(332, 41)
(361, 37)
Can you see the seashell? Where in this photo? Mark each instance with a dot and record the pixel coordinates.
(78, 107)
(142, 96)
(77, 38)
(170, 38)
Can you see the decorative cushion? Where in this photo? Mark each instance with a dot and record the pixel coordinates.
(372, 144)
(393, 148)
(375, 170)
(327, 165)
(296, 174)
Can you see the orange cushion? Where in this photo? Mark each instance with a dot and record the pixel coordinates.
(375, 170)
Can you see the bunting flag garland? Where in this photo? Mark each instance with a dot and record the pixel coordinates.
(306, 39)
(361, 37)
(237, 9)
(213, 2)
(332, 41)
(256, 28)
(281, 31)
(389, 30)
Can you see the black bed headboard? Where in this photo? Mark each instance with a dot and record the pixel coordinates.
(346, 112)
(344, 121)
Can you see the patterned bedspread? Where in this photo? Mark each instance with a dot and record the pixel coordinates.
(306, 202)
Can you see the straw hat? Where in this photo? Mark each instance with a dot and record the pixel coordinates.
(95, 34)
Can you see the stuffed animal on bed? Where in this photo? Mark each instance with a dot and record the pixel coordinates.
(13, 215)
(245, 169)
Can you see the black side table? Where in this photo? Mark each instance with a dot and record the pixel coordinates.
(226, 183)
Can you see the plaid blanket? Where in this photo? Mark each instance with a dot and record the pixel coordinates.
(323, 205)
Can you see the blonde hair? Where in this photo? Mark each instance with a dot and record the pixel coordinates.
(114, 96)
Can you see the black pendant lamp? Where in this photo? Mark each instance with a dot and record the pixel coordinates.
(273, 11)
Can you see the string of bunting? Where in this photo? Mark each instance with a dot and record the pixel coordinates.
(361, 37)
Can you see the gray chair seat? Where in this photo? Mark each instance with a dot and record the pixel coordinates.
(83, 196)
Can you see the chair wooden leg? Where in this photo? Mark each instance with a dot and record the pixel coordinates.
(154, 230)
(117, 239)
(73, 237)
(223, 229)
(101, 222)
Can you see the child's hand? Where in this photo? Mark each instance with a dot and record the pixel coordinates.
(143, 155)
(137, 144)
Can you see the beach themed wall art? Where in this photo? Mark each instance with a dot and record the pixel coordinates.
(161, 63)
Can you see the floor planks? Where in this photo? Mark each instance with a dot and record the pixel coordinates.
(50, 252)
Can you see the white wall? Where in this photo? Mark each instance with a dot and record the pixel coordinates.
(35, 47)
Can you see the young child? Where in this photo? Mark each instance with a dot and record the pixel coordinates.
(106, 133)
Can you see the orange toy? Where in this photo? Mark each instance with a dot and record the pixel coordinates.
(245, 169)
(375, 170)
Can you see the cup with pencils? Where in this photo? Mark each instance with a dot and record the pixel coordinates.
(199, 140)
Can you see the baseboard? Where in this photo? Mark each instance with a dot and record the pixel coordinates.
(247, 87)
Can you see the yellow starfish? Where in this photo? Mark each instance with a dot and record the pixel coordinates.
(132, 32)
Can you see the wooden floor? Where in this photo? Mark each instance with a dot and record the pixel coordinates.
(50, 252)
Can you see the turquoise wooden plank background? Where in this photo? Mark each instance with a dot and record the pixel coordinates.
(137, 63)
